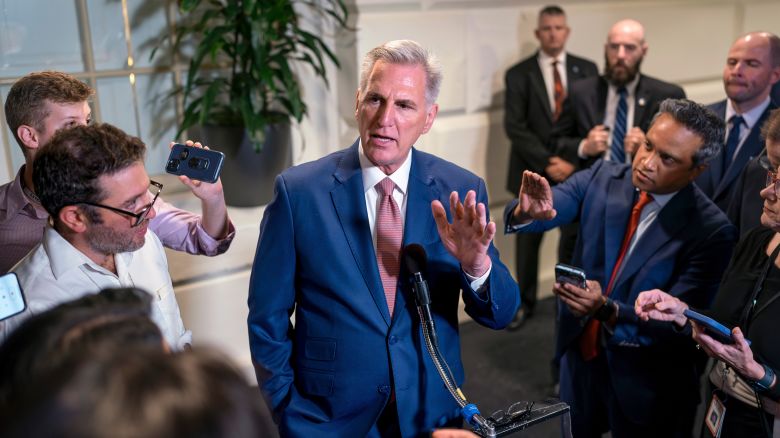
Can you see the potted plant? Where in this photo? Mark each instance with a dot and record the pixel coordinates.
(241, 88)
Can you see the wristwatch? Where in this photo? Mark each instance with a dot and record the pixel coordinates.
(605, 311)
(763, 384)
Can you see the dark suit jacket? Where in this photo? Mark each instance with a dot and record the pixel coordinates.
(746, 205)
(332, 373)
(717, 182)
(586, 103)
(528, 116)
(684, 252)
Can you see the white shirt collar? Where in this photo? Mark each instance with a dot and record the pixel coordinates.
(751, 117)
(372, 174)
(545, 59)
(63, 256)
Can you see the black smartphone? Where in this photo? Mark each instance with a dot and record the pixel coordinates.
(11, 296)
(570, 274)
(716, 330)
(196, 163)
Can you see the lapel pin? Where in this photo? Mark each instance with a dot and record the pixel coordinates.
(641, 101)
(575, 69)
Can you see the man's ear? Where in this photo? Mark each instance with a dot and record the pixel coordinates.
(73, 218)
(29, 136)
(698, 170)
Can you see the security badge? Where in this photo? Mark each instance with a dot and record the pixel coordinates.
(715, 414)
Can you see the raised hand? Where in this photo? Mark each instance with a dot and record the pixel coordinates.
(660, 306)
(535, 201)
(469, 235)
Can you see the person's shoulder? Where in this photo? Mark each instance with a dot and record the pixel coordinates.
(582, 62)
(310, 172)
(438, 167)
(524, 65)
(33, 271)
(708, 214)
(660, 86)
(585, 86)
(757, 237)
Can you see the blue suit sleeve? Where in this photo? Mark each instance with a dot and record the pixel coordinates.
(498, 305)
(272, 298)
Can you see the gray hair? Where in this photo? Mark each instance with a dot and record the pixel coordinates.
(700, 120)
(405, 52)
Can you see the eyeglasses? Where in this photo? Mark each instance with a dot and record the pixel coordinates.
(142, 214)
(771, 174)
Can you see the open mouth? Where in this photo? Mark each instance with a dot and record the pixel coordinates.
(381, 138)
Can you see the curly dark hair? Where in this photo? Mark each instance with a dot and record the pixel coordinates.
(66, 170)
(26, 101)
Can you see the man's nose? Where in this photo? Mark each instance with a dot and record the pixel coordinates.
(386, 114)
(769, 192)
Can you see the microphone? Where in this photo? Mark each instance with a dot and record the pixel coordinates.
(416, 261)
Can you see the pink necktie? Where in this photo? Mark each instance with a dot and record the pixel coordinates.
(389, 234)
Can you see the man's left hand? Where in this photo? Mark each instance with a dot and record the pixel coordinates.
(580, 301)
(469, 235)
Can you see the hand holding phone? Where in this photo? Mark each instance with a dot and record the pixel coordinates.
(713, 328)
(196, 163)
(570, 274)
(11, 296)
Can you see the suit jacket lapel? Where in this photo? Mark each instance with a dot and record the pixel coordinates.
(539, 88)
(663, 229)
(620, 193)
(349, 201)
(751, 147)
(641, 99)
(419, 225)
(600, 105)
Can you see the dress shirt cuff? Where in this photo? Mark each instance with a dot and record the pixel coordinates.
(580, 149)
(210, 246)
(513, 228)
(478, 283)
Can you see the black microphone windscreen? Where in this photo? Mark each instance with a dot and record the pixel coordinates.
(415, 258)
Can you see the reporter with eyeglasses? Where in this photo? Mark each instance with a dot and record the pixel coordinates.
(745, 394)
(92, 182)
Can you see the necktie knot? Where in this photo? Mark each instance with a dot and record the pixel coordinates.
(385, 187)
(736, 121)
(622, 92)
(644, 199)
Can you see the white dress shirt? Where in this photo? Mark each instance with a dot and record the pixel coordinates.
(55, 272)
(371, 177)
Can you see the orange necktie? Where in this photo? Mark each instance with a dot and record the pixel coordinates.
(558, 92)
(589, 346)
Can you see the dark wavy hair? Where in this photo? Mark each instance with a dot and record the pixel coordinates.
(66, 170)
(700, 120)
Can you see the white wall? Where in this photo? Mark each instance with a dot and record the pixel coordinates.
(477, 41)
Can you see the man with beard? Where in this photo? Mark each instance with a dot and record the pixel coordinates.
(607, 116)
(752, 67)
(92, 182)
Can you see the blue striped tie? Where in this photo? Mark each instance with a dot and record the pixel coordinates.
(616, 150)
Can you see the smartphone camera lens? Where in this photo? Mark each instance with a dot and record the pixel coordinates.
(172, 166)
(184, 154)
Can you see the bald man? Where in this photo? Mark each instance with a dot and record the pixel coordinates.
(607, 116)
(752, 67)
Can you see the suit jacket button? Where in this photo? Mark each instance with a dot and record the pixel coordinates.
(393, 340)
(384, 389)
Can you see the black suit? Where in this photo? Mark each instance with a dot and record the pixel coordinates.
(745, 207)
(586, 104)
(718, 183)
(528, 120)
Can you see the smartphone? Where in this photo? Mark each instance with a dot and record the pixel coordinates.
(716, 330)
(196, 163)
(11, 296)
(570, 274)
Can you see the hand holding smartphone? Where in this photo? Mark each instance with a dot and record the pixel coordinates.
(196, 163)
(570, 274)
(11, 296)
(713, 328)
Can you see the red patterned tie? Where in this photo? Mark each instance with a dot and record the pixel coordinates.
(558, 92)
(589, 346)
(389, 234)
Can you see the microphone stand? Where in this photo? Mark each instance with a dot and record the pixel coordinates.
(487, 428)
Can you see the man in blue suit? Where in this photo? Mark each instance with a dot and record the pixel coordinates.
(354, 363)
(752, 67)
(617, 373)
